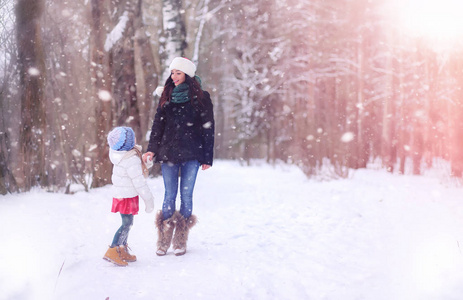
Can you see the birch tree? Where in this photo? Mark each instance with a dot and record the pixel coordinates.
(174, 34)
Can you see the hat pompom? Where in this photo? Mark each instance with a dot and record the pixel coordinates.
(183, 64)
(121, 139)
(159, 91)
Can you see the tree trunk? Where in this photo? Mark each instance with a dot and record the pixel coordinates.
(362, 143)
(456, 158)
(387, 119)
(418, 145)
(32, 82)
(420, 118)
(174, 32)
(7, 180)
(199, 33)
(401, 126)
(148, 71)
(122, 64)
(456, 124)
(102, 85)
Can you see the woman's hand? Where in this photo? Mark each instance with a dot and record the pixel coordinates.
(205, 167)
(148, 156)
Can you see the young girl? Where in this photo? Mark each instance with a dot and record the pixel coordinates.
(128, 178)
(182, 140)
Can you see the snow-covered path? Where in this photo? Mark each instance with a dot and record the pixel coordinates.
(263, 233)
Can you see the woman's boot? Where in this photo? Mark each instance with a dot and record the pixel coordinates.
(165, 231)
(183, 226)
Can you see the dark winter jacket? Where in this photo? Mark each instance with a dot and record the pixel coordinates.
(183, 131)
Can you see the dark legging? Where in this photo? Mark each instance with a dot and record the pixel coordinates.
(120, 238)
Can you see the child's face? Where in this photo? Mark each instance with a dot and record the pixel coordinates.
(177, 76)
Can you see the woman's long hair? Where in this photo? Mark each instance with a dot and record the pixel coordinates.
(194, 90)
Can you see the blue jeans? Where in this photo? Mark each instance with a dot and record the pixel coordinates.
(170, 173)
(120, 238)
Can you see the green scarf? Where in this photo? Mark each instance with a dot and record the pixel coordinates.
(180, 93)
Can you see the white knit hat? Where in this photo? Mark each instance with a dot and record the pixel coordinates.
(183, 64)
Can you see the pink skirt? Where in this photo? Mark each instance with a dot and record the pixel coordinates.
(126, 206)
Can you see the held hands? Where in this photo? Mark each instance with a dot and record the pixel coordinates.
(149, 163)
(148, 159)
(205, 167)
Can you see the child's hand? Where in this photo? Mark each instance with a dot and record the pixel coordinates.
(149, 162)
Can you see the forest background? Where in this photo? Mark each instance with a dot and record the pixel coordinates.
(307, 82)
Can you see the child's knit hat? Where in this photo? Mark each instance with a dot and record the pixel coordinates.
(183, 64)
(121, 139)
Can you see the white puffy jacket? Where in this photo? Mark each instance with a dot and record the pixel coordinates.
(127, 178)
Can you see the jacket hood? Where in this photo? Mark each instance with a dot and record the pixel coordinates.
(116, 156)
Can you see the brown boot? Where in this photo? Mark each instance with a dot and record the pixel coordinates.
(183, 227)
(125, 255)
(165, 232)
(113, 255)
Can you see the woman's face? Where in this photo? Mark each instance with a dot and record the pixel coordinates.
(178, 77)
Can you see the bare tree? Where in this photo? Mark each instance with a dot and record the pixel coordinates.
(7, 180)
(32, 81)
(7, 78)
(120, 46)
(325, 81)
(102, 96)
(147, 77)
(456, 119)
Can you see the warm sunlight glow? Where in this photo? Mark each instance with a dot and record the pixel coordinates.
(434, 19)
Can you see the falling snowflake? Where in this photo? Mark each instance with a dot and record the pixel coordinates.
(76, 153)
(104, 95)
(286, 109)
(347, 137)
(33, 71)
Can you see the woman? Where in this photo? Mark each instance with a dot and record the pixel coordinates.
(182, 140)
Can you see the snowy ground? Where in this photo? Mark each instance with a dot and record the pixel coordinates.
(264, 233)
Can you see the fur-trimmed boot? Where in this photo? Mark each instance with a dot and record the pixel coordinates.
(125, 255)
(182, 229)
(114, 255)
(165, 232)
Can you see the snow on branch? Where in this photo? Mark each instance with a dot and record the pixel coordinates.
(116, 33)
